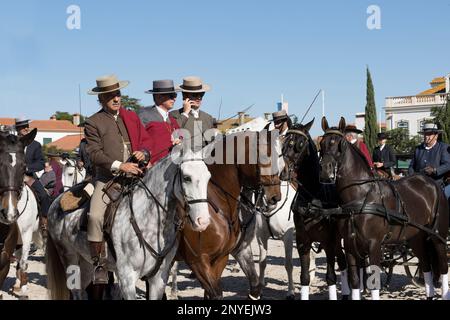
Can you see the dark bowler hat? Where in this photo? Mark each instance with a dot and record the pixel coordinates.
(352, 128)
(382, 136)
(21, 123)
(163, 87)
(430, 128)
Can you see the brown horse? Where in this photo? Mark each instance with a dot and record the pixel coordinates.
(244, 160)
(311, 224)
(12, 171)
(412, 209)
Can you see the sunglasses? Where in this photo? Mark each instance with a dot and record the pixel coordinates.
(198, 96)
(172, 95)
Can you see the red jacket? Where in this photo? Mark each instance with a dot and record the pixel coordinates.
(161, 132)
(139, 138)
(365, 151)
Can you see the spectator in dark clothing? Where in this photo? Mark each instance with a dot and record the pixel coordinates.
(383, 156)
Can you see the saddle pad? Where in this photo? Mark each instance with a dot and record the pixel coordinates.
(74, 198)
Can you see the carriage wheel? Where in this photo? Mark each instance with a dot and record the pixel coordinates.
(413, 271)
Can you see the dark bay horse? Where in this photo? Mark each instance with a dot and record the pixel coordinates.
(239, 161)
(300, 154)
(412, 209)
(12, 171)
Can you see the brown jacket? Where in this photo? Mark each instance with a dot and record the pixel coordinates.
(104, 143)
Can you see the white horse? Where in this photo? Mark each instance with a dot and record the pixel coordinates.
(71, 173)
(18, 203)
(144, 249)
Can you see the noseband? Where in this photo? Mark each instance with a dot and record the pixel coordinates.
(194, 201)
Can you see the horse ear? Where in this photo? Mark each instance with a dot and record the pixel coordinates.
(325, 125)
(309, 125)
(29, 138)
(342, 124)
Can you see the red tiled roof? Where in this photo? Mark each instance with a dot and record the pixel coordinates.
(7, 121)
(68, 143)
(436, 89)
(54, 125)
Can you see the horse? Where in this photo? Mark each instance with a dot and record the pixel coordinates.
(19, 210)
(143, 237)
(311, 226)
(72, 173)
(412, 209)
(238, 161)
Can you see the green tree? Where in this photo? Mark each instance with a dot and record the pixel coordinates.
(62, 115)
(400, 141)
(442, 119)
(132, 104)
(370, 129)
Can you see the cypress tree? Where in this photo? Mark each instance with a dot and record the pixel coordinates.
(370, 129)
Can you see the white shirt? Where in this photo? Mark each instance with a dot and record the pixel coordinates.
(428, 148)
(353, 141)
(382, 147)
(195, 114)
(163, 113)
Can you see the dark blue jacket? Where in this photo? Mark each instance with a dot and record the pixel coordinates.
(437, 157)
(34, 157)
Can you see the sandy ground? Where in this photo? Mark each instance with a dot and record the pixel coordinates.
(235, 285)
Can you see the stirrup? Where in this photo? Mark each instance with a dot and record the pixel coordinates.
(102, 277)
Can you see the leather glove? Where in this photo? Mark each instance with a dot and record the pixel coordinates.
(429, 170)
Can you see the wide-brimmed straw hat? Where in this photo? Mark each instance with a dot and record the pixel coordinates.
(194, 84)
(430, 128)
(163, 87)
(107, 84)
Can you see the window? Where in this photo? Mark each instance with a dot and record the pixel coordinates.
(403, 124)
(47, 141)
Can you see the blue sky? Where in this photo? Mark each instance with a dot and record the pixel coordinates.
(249, 51)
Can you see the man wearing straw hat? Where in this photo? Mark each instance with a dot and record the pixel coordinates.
(432, 157)
(281, 121)
(157, 120)
(113, 134)
(190, 117)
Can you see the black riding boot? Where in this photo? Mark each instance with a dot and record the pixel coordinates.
(43, 197)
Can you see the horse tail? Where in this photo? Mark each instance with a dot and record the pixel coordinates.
(56, 274)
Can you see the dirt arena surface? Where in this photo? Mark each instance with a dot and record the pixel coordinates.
(235, 285)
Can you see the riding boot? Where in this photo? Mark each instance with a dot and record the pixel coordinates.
(99, 260)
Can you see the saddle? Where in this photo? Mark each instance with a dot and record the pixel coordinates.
(75, 197)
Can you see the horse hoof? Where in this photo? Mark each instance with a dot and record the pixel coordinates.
(235, 270)
(24, 298)
(290, 297)
(252, 298)
(345, 297)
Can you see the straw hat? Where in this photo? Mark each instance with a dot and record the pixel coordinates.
(194, 84)
(430, 127)
(107, 84)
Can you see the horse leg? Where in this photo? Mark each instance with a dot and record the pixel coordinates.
(419, 247)
(342, 263)
(304, 254)
(262, 244)
(7, 252)
(174, 286)
(127, 280)
(331, 274)
(245, 259)
(288, 240)
(20, 287)
(374, 280)
(205, 274)
(440, 266)
(353, 276)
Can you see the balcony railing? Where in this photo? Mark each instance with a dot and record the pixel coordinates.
(411, 101)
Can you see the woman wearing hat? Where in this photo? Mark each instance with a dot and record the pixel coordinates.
(432, 156)
(157, 120)
(351, 135)
(383, 156)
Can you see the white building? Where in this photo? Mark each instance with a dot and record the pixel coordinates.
(49, 130)
(411, 112)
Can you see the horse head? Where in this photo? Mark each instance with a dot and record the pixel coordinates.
(12, 171)
(194, 178)
(332, 148)
(295, 147)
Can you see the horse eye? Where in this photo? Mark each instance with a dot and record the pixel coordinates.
(291, 143)
(187, 179)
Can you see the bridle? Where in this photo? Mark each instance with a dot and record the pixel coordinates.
(69, 164)
(336, 159)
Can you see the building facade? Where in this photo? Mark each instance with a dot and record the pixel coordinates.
(411, 112)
